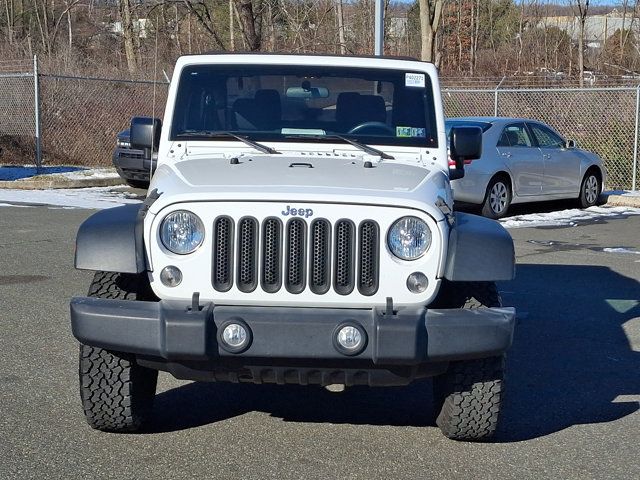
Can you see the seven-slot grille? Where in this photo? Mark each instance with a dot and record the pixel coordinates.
(295, 255)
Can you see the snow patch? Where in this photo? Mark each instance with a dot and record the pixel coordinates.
(570, 217)
(621, 250)
(86, 174)
(12, 205)
(94, 197)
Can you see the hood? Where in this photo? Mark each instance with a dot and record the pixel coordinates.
(299, 172)
(298, 178)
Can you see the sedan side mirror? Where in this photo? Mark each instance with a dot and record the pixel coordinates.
(145, 134)
(465, 144)
(570, 144)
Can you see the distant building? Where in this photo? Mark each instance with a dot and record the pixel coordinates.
(140, 27)
(597, 28)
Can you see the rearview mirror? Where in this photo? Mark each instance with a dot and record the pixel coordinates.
(570, 144)
(145, 134)
(310, 92)
(465, 143)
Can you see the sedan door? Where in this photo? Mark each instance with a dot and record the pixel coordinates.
(518, 151)
(561, 164)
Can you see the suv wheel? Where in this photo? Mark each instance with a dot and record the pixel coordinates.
(468, 397)
(497, 199)
(117, 394)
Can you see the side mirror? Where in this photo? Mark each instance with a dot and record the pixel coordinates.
(570, 144)
(145, 134)
(465, 143)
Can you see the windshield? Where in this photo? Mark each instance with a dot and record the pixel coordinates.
(289, 103)
(465, 123)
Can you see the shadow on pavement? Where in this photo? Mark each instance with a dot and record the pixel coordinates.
(570, 360)
(571, 357)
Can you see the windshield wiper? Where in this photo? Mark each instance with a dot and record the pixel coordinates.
(208, 134)
(361, 146)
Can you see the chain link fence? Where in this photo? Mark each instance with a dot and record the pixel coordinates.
(602, 120)
(80, 117)
(17, 112)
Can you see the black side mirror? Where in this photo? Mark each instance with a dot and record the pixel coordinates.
(570, 144)
(465, 143)
(145, 134)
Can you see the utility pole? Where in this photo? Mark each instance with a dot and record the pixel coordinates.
(379, 26)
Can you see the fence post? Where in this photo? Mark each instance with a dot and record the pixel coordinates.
(495, 98)
(36, 102)
(635, 141)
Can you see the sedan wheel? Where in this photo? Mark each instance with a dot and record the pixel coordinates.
(590, 190)
(497, 199)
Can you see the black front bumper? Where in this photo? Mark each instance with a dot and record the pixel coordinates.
(173, 332)
(131, 164)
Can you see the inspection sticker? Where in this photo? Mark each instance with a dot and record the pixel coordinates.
(414, 80)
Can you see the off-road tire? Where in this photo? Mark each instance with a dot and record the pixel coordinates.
(501, 187)
(117, 394)
(590, 189)
(468, 397)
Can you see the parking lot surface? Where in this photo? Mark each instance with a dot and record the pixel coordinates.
(572, 397)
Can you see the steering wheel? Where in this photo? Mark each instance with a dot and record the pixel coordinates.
(375, 126)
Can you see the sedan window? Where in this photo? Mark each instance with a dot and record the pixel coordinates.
(515, 135)
(545, 137)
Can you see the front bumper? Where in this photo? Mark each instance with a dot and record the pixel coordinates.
(131, 164)
(173, 332)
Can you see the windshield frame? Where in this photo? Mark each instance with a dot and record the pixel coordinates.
(430, 140)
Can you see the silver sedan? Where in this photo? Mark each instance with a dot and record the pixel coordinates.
(525, 160)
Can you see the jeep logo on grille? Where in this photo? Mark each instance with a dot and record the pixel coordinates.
(297, 212)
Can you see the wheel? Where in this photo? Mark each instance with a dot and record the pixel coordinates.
(497, 199)
(590, 189)
(117, 394)
(468, 397)
(144, 184)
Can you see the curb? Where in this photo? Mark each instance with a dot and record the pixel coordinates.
(46, 183)
(622, 200)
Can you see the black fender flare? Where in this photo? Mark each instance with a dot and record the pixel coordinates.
(480, 249)
(111, 240)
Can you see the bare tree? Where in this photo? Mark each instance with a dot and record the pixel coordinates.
(430, 14)
(581, 7)
(250, 23)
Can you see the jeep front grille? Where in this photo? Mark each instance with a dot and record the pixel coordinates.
(222, 275)
(296, 255)
(320, 274)
(271, 272)
(344, 257)
(247, 254)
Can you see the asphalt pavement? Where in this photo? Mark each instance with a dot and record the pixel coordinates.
(572, 404)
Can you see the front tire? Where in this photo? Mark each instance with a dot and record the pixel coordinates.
(497, 199)
(590, 189)
(468, 397)
(117, 394)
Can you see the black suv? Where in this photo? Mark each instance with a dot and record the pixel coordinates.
(131, 163)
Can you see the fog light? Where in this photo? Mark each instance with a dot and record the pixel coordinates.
(171, 276)
(417, 282)
(350, 339)
(235, 336)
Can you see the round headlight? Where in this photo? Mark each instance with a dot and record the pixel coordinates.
(181, 232)
(409, 238)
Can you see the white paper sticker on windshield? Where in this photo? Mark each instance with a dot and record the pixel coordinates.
(414, 80)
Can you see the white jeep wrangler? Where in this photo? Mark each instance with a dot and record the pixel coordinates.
(298, 230)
